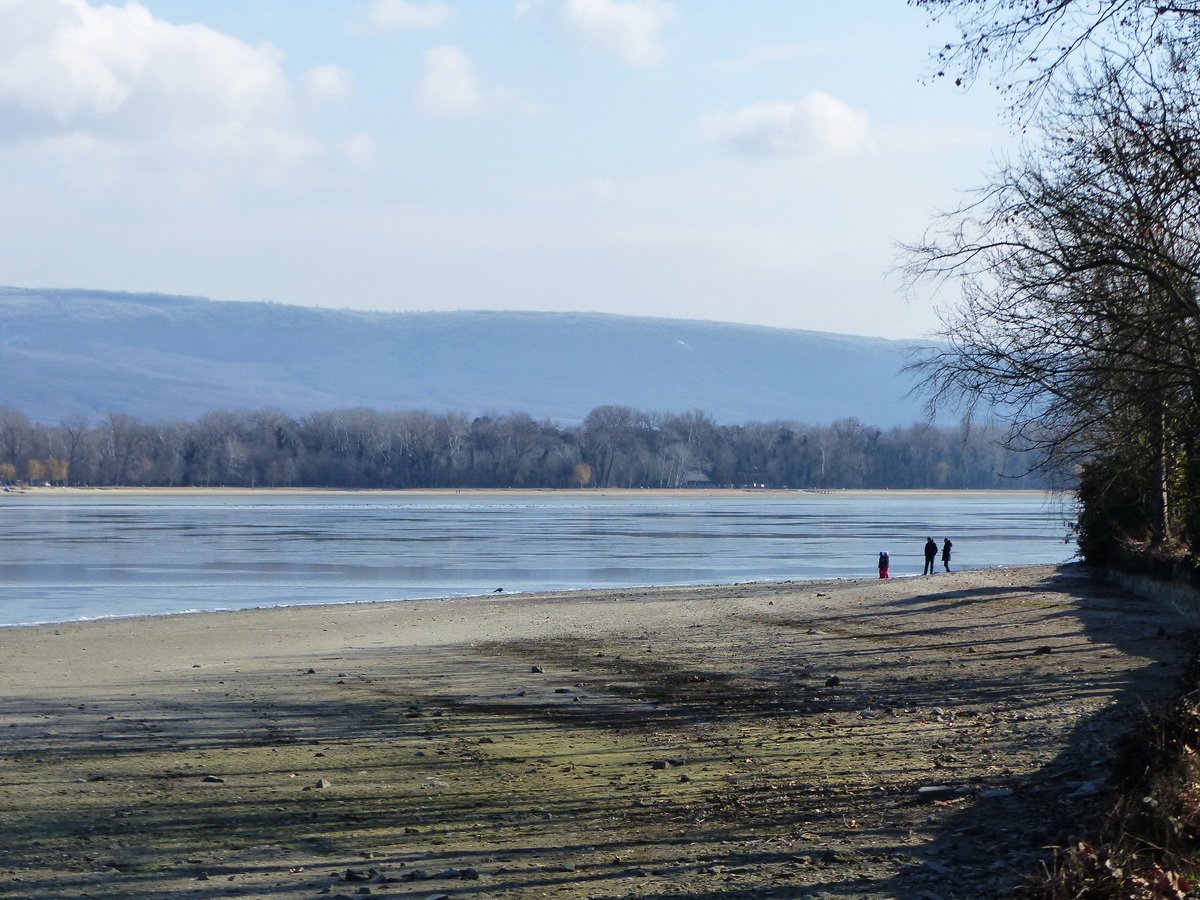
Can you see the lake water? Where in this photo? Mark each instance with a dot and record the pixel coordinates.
(78, 555)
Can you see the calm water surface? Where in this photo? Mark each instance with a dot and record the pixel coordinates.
(79, 555)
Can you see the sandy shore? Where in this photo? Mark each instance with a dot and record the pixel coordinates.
(904, 738)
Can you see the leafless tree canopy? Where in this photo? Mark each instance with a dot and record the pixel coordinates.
(1079, 263)
(1028, 45)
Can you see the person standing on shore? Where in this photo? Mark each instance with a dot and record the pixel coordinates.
(946, 545)
(884, 563)
(930, 556)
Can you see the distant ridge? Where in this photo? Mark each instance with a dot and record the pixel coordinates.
(154, 356)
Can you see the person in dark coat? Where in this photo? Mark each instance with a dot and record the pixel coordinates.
(884, 563)
(946, 545)
(930, 556)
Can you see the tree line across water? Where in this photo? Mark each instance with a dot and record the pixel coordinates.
(614, 446)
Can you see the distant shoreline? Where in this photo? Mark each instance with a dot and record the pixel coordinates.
(581, 492)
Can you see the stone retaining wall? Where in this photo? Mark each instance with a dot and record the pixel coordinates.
(1181, 595)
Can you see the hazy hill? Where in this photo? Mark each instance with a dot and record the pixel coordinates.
(165, 357)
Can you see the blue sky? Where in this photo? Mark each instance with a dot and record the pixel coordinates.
(750, 162)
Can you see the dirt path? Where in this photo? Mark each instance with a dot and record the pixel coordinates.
(918, 738)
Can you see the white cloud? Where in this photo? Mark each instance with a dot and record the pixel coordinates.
(329, 84)
(451, 89)
(360, 149)
(121, 77)
(402, 15)
(629, 29)
(818, 124)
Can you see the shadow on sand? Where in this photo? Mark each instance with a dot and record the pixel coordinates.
(932, 746)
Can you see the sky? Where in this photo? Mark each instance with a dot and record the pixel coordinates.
(754, 162)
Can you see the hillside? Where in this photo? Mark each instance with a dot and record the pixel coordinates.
(64, 352)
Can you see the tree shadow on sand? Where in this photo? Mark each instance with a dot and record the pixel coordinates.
(889, 752)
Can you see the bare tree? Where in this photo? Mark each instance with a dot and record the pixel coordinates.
(610, 440)
(1079, 269)
(16, 437)
(121, 441)
(69, 441)
(1030, 45)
